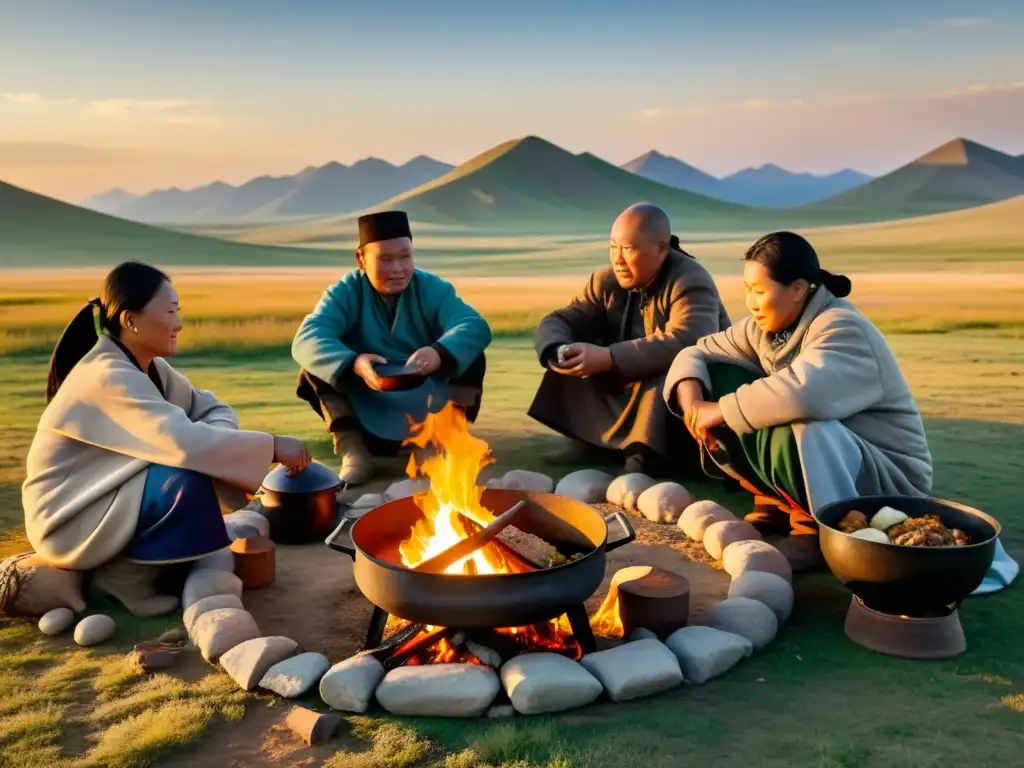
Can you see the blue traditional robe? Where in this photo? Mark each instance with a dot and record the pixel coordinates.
(351, 318)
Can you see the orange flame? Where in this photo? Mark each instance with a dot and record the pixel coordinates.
(453, 473)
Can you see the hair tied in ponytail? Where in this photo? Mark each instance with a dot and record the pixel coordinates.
(673, 243)
(838, 285)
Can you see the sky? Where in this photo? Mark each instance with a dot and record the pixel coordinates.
(141, 94)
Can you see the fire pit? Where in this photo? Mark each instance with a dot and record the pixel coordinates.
(493, 594)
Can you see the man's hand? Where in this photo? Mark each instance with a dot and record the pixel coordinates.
(363, 368)
(425, 360)
(585, 360)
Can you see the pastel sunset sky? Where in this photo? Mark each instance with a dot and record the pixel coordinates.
(139, 94)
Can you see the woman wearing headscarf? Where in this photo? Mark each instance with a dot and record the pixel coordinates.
(132, 467)
(802, 402)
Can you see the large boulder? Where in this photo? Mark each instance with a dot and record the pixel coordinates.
(705, 652)
(698, 516)
(626, 489)
(587, 485)
(636, 669)
(547, 682)
(746, 617)
(524, 480)
(664, 502)
(438, 690)
(774, 591)
(349, 685)
(248, 662)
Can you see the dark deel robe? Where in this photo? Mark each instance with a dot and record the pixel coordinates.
(645, 330)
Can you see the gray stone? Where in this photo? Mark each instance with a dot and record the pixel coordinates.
(752, 555)
(626, 489)
(487, 655)
(746, 617)
(494, 482)
(664, 502)
(293, 677)
(405, 488)
(524, 480)
(200, 607)
(439, 690)
(200, 584)
(547, 682)
(720, 535)
(249, 517)
(698, 516)
(218, 631)
(368, 501)
(248, 662)
(587, 485)
(222, 560)
(95, 629)
(632, 670)
(641, 633)
(349, 685)
(501, 710)
(705, 652)
(774, 591)
(56, 621)
(237, 531)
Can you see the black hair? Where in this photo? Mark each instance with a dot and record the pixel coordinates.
(788, 257)
(129, 287)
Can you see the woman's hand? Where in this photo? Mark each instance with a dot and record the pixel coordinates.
(688, 392)
(702, 416)
(290, 452)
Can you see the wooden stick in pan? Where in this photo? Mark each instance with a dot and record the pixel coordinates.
(465, 547)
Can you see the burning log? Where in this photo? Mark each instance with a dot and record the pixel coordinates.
(422, 642)
(404, 635)
(465, 547)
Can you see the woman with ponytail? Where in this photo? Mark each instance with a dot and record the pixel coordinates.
(131, 466)
(802, 402)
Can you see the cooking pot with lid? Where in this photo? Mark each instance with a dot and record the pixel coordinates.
(300, 508)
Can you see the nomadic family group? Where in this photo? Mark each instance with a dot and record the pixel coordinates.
(802, 402)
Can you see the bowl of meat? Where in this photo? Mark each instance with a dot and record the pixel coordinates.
(917, 557)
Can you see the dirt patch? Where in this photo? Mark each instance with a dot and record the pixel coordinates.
(315, 601)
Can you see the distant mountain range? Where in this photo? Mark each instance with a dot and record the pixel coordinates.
(316, 191)
(959, 174)
(768, 186)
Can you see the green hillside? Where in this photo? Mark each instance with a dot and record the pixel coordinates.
(39, 231)
(532, 183)
(960, 174)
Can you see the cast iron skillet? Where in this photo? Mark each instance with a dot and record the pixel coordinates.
(909, 581)
(496, 600)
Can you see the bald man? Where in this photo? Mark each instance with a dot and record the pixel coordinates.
(608, 351)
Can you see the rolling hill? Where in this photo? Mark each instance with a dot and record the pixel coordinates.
(329, 189)
(531, 183)
(767, 186)
(38, 231)
(959, 174)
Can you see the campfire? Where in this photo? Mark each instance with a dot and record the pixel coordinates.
(453, 511)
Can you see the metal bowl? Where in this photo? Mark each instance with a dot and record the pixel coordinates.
(396, 377)
(920, 582)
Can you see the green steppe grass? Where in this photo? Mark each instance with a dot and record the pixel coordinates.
(810, 699)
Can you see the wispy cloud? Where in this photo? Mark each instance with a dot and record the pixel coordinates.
(760, 105)
(24, 99)
(178, 111)
(963, 23)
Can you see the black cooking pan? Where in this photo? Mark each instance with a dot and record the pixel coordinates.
(301, 508)
(491, 600)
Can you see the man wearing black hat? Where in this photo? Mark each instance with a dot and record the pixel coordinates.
(387, 311)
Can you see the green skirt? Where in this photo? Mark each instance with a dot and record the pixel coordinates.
(766, 461)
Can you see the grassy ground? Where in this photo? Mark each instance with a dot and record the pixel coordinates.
(811, 699)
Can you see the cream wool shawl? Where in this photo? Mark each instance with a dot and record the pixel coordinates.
(95, 441)
(835, 369)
